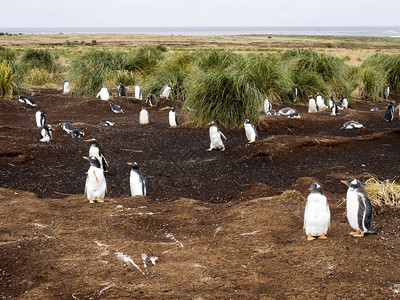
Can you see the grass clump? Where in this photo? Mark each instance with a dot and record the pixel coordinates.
(9, 80)
(38, 58)
(7, 54)
(144, 59)
(370, 82)
(210, 60)
(37, 77)
(383, 193)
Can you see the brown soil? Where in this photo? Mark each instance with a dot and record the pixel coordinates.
(241, 238)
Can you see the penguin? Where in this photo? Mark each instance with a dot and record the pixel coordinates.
(173, 118)
(251, 131)
(317, 215)
(95, 151)
(95, 187)
(138, 92)
(273, 113)
(121, 90)
(165, 91)
(77, 133)
(386, 90)
(344, 103)
(144, 116)
(152, 100)
(40, 117)
(267, 105)
(320, 102)
(215, 138)
(331, 102)
(45, 133)
(389, 113)
(374, 108)
(293, 94)
(27, 100)
(352, 125)
(67, 127)
(287, 111)
(106, 122)
(137, 182)
(103, 94)
(312, 105)
(333, 107)
(294, 115)
(66, 87)
(359, 208)
(116, 108)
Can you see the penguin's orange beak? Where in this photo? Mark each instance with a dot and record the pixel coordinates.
(129, 164)
(342, 181)
(84, 157)
(310, 189)
(87, 140)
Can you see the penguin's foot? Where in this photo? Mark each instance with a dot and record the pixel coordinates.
(250, 142)
(310, 237)
(357, 234)
(100, 200)
(209, 149)
(323, 236)
(223, 149)
(91, 200)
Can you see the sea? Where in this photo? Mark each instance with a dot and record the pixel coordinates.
(376, 31)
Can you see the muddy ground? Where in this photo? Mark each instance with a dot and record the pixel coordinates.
(221, 224)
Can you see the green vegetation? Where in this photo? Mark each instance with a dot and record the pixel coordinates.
(144, 59)
(7, 80)
(38, 58)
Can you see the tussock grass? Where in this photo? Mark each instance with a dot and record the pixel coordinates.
(144, 59)
(370, 82)
(7, 54)
(383, 193)
(7, 80)
(37, 77)
(126, 77)
(212, 60)
(39, 58)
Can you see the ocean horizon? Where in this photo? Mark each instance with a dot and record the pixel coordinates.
(366, 31)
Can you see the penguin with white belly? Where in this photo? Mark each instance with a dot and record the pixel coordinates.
(173, 118)
(45, 133)
(144, 117)
(251, 132)
(40, 117)
(138, 92)
(103, 94)
(267, 105)
(66, 87)
(95, 151)
(317, 215)
(312, 105)
(215, 138)
(138, 183)
(95, 187)
(359, 208)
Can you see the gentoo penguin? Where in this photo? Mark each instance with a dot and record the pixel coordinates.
(66, 87)
(293, 94)
(138, 92)
(320, 102)
(374, 108)
(352, 125)
(344, 102)
(215, 138)
(251, 131)
(116, 108)
(95, 151)
(317, 216)
(287, 111)
(40, 117)
(45, 133)
(294, 115)
(103, 94)
(137, 181)
(386, 91)
(273, 113)
(77, 133)
(267, 105)
(333, 107)
(144, 116)
(27, 100)
(107, 122)
(121, 90)
(173, 118)
(331, 102)
(165, 91)
(389, 113)
(151, 100)
(67, 127)
(359, 208)
(95, 187)
(312, 105)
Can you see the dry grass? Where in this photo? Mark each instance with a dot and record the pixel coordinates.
(383, 193)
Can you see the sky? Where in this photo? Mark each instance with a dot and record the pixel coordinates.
(189, 13)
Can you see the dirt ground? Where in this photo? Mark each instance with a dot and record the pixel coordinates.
(216, 225)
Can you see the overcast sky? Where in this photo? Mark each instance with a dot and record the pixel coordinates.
(154, 13)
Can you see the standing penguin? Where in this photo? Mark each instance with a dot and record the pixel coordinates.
(66, 87)
(121, 90)
(359, 208)
(173, 118)
(251, 131)
(116, 108)
(317, 216)
(386, 90)
(267, 105)
(215, 138)
(344, 102)
(95, 151)
(144, 116)
(27, 100)
(333, 107)
(40, 117)
(95, 187)
(312, 105)
(165, 91)
(137, 181)
(151, 100)
(45, 133)
(293, 94)
(103, 94)
(389, 113)
(320, 102)
(138, 92)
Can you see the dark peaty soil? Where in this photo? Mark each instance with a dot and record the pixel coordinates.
(241, 238)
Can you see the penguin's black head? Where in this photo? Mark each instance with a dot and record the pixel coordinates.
(172, 108)
(212, 123)
(134, 165)
(351, 183)
(93, 161)
(310, 96)
(330, 97)
(47, 127)
(144, 108)
(92, 141)
(247, 121)
(315, 188)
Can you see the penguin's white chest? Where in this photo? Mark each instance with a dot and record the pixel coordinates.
(172, 119)
(144, 117)
(320, 102)
(250, 133)
(104, 95)
(95, 187)
(215, 138)
(165, 92)
(312, 106)
(135, 184)
(267, 106)
(38, 117)
(66, 88)
(352, 207)
(138, 93)
(317, 215)
(45, 135)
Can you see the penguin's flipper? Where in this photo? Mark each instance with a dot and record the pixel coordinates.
(222, 134)
(106, 166)
(176, 120)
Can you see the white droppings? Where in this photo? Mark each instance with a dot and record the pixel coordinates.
(39, 225)
(219, 228)
(153, 260)
(125, 258)
(109, 286)
(119, 206)
(172, 237)
(144, 258)
(250, 233)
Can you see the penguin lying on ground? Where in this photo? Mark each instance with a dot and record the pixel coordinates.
(95, 187)
(77, 133)
(45, 133)
(138, 92)
(103, 94)
(251, 132)
(287, 111)
(121, 90)
(359, 208)
(165, 91)
(66, 87)
(374, 108)
(215, 138)
(40, 117)
(95, 151)
(116, 108)
(389, 113)
(352, 125)
(27, 100)
(107, 122)
(173, 118)
(137, 181)
(294, 115)
(67, 127)
(316, 215)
